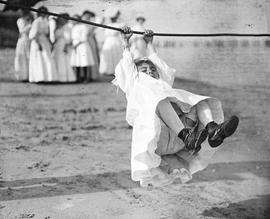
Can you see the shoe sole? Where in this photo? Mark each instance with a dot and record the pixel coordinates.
(231, 126)
(229, 129)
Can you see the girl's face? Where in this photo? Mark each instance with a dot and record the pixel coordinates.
(149, 69)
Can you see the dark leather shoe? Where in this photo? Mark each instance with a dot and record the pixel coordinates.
(193, 139)
(218, 132)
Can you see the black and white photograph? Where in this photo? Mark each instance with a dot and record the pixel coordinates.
(134, 109)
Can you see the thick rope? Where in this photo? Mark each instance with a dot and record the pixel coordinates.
(136, 32)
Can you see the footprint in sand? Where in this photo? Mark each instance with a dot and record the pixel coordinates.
(39, 165)
(23, 147)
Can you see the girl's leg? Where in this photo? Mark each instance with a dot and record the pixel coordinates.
(191, 137)
(168, 115)
(204, 113)
(216, 132)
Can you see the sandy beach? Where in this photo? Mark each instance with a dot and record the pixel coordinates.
(65, 148)
(65, 153)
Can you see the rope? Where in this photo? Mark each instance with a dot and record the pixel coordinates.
(136, 32)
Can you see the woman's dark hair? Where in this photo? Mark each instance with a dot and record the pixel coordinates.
(114, 19)
(42, 9)
(140, 18)
(90, 13)
(27, 15)
(60, 21)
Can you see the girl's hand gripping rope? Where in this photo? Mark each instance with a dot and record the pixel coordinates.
(126, 34)
(148, 36)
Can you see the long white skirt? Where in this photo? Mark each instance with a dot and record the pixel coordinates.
(62, 62)
(21, 62)
(41, 64)
(111, 54)
(94, 47)
(82, 56)
(145, 162)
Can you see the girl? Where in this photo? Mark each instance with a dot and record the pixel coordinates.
(169, 124)
(61, 52)
(81, 56)
(41, 65)
(112, 49)
(23, 46)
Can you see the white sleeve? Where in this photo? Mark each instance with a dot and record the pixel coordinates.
(166, 73)
(125, 72)
(20, 24)
(75, 36)
(84, 33)
(34, 30)
(52, 27)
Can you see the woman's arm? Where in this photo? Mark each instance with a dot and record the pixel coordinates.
(33, 34)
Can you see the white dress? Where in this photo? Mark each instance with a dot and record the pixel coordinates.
(95, 51)
(21, 61)
(143, 93)
(41, 65)
(111, 52)
(81, 55)
(61, 55)
(138, 46)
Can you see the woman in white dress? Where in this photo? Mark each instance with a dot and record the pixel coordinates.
(21, 62)
(138, 45)
(81, 56)
(41, 65)
(111, 52)
(60, 52)
(90, 16)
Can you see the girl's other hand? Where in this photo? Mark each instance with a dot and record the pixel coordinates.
(126, 33)
(148, 36)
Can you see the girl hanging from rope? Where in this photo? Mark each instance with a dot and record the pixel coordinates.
(170, 126)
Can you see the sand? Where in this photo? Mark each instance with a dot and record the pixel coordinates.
(65, 153)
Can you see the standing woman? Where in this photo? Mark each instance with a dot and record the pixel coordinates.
(82, 56)
(60, 52)
(21, 62)
(41, 65)
(90, 16)
(111, 52)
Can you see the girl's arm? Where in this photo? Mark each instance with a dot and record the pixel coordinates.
(148, 38)
(166, 73)
(125, 71)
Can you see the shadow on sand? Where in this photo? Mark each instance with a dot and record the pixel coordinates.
(257, 208)
(80, 184)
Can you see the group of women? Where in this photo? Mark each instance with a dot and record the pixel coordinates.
(54, 49)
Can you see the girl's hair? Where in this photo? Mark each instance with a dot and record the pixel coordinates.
(139, 62)
(42, 9)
